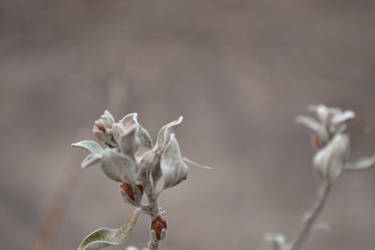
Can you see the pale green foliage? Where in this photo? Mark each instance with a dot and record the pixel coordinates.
(361, 164)
(100, 238)
(91, 146)
(329, 161)
(174, 169)
(130, 158)
(166, 131)
(94, 148)
(118, 167)
(104, 237)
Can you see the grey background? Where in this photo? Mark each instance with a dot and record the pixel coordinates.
(239, 71)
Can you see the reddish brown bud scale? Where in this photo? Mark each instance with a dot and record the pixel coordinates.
(128, 190)
(99, 125)
(316, 140)
(140, 187)
(158, 224)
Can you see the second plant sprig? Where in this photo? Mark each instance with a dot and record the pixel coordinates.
(329, 162)
(129, 157)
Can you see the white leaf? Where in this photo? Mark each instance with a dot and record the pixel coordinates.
(127, 141)
(361, 164)
(309, 123)
(105, 237)
(100, 238)
(107, 119)
(90, 160)
(118, 167)
(91, 146)
(315, 126)
(142, 138)
(166, 131)
(144, 142)
(322, 112)
(343, 117)
(129, 120)
(174, 169)
(329, 160)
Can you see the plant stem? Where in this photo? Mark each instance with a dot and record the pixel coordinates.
(130, 222)
(311, 218)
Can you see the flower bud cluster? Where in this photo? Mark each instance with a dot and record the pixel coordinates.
(128, 156)
(331, 140)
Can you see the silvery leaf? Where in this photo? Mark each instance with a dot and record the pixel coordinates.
(146, 167)
(309, 123)
(117, 130)
(105, 237)
(142, 139)
(144, 142)
(91, 146)
(165, 133)
(322, 112)
(118, 167)
(329, 160)
(362, 164)
(315, 126)
(343, 116)
(127, 141)
(107, 119)
(129, 120)
(174, 169)
(101, 238)
(90, 160)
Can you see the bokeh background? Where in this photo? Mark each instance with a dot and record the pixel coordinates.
(239, 71)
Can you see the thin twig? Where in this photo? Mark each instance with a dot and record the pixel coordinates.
(153, 207)
(130, 222)
(312, 216)
(153, 203)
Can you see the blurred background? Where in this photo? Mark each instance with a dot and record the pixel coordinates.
(239, 71)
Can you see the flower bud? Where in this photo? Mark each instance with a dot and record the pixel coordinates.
(159, 228)
(102, 129)
(329, 122)
(132, 193)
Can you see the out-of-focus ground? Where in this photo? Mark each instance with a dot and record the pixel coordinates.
(239, 71)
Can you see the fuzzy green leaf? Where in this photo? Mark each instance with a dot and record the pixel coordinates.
(90, 160)
(91, 146)
(118, 167)
(174, 169)
(166, 131)
(104, 237)
(361, 164)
